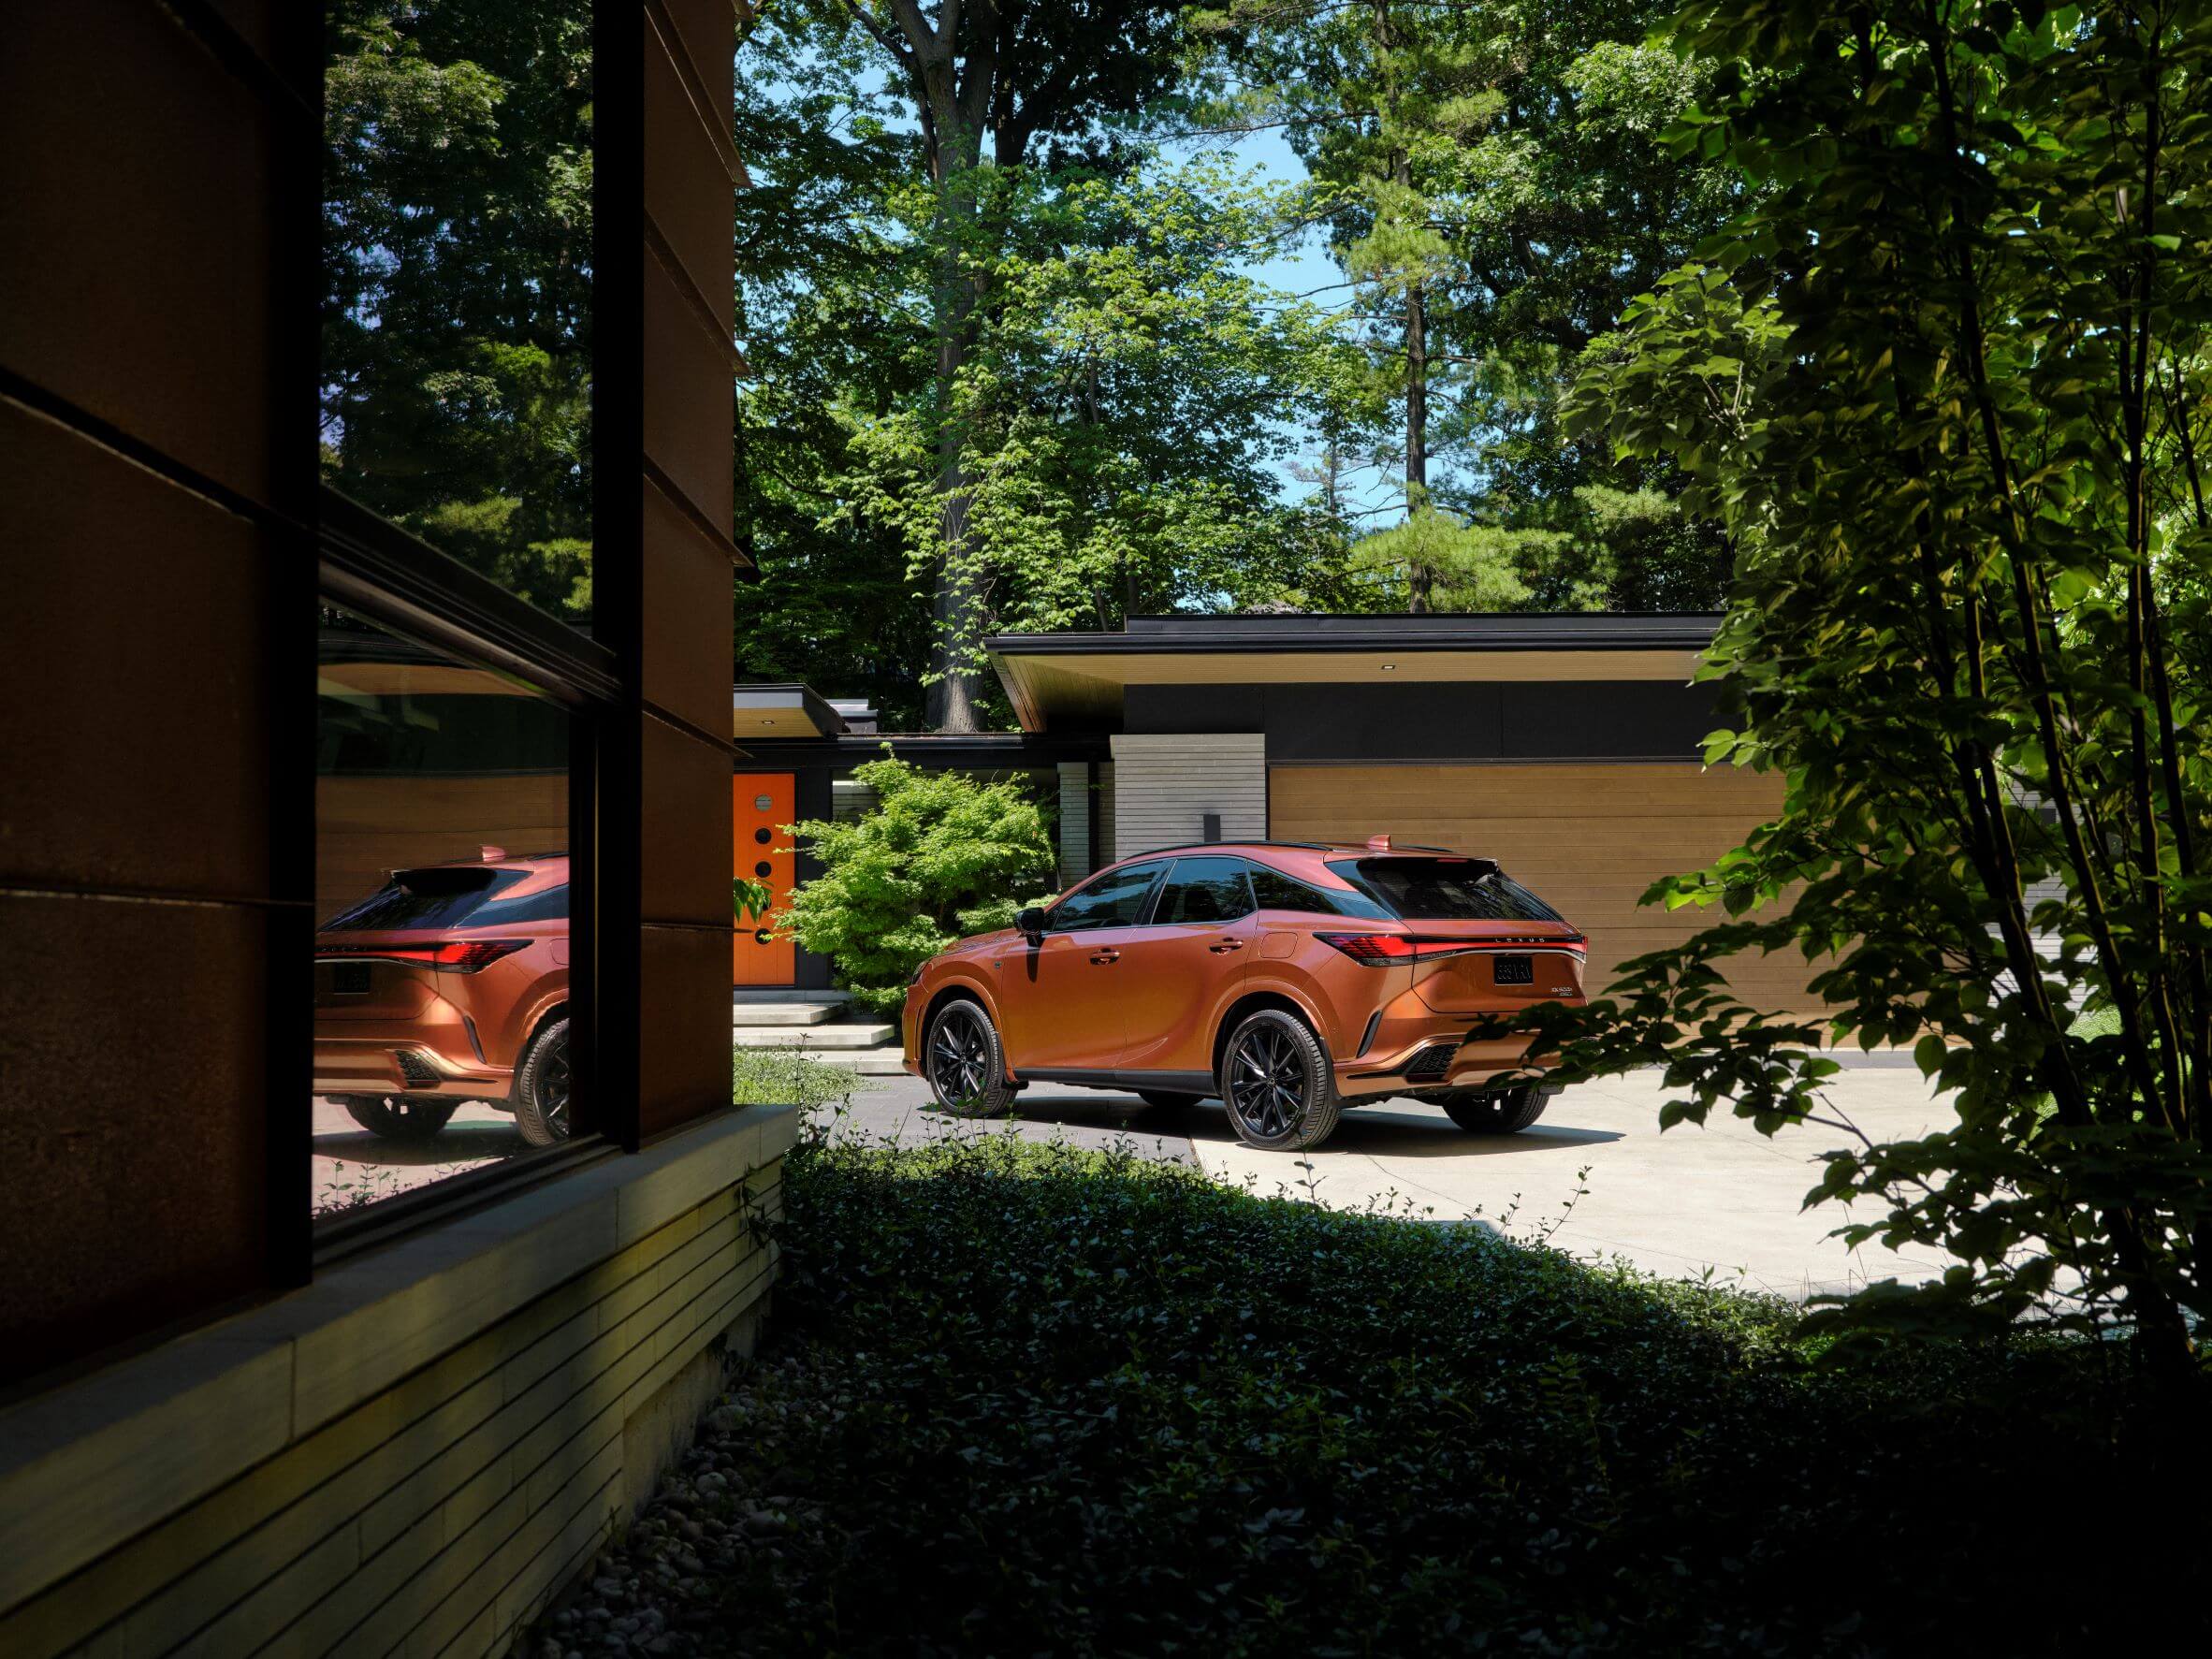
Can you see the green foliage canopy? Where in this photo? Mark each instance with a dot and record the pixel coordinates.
(1943, 382)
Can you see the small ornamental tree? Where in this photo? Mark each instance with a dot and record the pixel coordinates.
(940, 855)
(1945, 382)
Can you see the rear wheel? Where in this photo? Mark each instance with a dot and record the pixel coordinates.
(542, 1085)
(1505, 1113)
(1276, 1083)
(400, 1117)
(965, 1063)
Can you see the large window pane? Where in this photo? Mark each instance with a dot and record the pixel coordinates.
(442, 886)
(457, 337)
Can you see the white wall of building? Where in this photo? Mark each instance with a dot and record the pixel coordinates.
(1165, 783)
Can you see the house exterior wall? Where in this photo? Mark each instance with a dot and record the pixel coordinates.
(1165, 784)
(158, 294)
(413, 1450)
(413, 1454)
(1442, 721)
(1076, 810)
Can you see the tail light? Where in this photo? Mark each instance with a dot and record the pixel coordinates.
(1388, 949)
(453, 956)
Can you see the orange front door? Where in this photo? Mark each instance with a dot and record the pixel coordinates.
(760, 807)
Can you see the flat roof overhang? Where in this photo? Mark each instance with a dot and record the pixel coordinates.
(780, 711)
(967, 751)
(1082, 677)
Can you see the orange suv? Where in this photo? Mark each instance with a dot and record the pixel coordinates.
(449, 984)
(1288, 980)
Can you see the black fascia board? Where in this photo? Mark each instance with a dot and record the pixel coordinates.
(1570, 631)
(952, 748)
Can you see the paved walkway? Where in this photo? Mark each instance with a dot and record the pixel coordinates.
(1724, 1200)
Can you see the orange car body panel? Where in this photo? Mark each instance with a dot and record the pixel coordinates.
(465, 1031)
(1149, 1004)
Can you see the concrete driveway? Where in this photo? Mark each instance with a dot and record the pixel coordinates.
(1724, 1201)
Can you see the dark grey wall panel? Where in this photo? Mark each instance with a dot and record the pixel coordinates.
(1195, 708)
(1643, 719)
(1435, 720)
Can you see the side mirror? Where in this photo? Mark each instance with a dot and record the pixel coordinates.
(1031, 923)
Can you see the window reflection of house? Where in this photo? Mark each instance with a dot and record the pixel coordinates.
(420, 760)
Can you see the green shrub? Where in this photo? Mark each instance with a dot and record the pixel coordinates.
(775, 1077)
(941, 855)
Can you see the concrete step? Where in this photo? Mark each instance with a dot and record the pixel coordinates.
(782, 1013)
(786, 993)
(813, 1036)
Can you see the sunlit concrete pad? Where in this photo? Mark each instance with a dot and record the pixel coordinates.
(1595, 1177)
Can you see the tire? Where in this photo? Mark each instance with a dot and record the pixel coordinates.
(1276, 1083)
(964, 1062)
(401, 1117)
(1505, 1114)
(542, 1086)
(1168, 1099)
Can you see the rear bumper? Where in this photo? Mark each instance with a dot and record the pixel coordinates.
(366, 1064)
(1440, 1057)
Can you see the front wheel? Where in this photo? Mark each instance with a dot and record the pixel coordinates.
(1276, 1083)
(400, 1117)
(1505, 1113)
(964, 1062)
(541, 1088)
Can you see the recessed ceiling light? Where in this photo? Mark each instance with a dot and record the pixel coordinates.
(1390, 667)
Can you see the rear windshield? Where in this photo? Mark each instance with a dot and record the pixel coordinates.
(440, 898)
(1444, 890)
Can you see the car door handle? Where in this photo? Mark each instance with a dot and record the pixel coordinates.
(1227, 944)
(1107, 956)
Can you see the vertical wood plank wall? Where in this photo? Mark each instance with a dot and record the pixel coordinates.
(158, 233)
(668, 773)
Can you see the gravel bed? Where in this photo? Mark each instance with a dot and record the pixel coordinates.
(718, 1532)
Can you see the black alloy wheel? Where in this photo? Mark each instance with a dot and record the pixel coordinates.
(964, 1063)
(1276, 1083)
(542, 1088)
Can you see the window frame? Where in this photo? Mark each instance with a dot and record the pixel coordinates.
(401, 583)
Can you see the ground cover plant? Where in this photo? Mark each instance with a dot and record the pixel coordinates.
(1023, 1399)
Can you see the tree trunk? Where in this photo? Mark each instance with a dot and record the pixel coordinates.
(1418, 577)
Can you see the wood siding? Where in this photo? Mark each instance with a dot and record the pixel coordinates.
(1587, 838)
(434, 1512)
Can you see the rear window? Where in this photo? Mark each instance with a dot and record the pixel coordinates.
(429, 898)
(1444, 890)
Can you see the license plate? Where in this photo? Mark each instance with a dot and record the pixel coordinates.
(1513, 971)
(349, 979)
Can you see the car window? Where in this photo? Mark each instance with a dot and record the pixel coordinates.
(1115, 900)
(1204, 890)
(1446, 890)
(437, 896)
(1274, 891)
(549, 904)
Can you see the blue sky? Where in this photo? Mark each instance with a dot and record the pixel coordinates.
(1304, 268)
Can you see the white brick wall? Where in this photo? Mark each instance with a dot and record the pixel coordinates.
(1165, 783)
